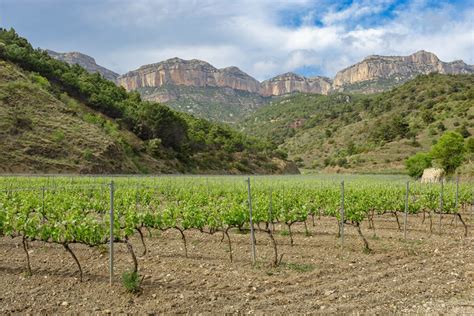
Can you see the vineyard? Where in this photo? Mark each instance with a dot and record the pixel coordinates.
(69, 211)
(189, 222)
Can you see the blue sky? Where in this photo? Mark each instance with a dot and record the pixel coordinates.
(262, 37)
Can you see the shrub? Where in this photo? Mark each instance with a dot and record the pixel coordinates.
(88, 155)
(470, 145)
(40, 80)
(417, 163)
(131, 281)
(463, 131)
(449, 151)
(58, 136)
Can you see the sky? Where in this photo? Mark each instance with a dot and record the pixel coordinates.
(262, 37)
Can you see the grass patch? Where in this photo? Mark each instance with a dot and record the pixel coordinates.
(298, 267)
(131, 281)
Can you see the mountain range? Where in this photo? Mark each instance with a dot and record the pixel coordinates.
(229, 94)
(57, 118)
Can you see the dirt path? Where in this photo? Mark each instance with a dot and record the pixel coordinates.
(426, 274)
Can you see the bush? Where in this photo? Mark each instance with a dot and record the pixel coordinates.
(40, 80)
(417, 163)
(153, 147)
(463, 131)
(470, 145)
(131, 281)
(58, 136)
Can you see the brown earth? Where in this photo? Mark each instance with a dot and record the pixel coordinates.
(426, 274)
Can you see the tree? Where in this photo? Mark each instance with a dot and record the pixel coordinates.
(449, 151)
(417, 163)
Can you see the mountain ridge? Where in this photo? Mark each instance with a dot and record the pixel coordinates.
(228, 94)
(85, 61)
(420, 62)
(397, 69)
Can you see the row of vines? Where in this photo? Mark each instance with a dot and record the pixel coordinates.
(69, 211)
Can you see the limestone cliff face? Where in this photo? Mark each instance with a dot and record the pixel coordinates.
(291, 82)
(375, 73)
(85, 61)
(397, 69)
(194, 72)
(198, 73)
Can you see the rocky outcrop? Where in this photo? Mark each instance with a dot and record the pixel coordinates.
(194, 72)
(198, 73)
(396, 69)
(291, 82)
(375, 73)
(87, 62)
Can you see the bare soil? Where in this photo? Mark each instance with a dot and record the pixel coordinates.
(427, 273)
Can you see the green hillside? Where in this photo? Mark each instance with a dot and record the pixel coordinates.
(368, 133)
(58, 118)
(212, 103)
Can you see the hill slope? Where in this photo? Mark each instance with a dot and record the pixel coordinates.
(213, 103)
(367, 132)
(59, 118)
(40, 132)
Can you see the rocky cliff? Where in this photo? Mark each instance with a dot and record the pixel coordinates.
(377, 73)
(194, 72)
(85, 61)
(291, 82)
(197, 73)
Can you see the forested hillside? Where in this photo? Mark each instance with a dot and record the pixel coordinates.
(59, 118)
(368, 133)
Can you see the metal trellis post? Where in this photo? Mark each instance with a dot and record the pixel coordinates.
(111, 241)
(252, 232)
(342, 215)
(406, 211)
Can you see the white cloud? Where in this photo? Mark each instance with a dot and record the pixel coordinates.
(257, 36)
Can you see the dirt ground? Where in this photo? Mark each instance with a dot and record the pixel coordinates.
(426, 274)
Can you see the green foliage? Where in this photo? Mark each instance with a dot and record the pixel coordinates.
(58, 136)
(417, 163)
(389, 130)
(470, 145)
(389, 123)
(40, 80)
(449, 151)
(153, 147)
(158, 121)
(217, 104)
(195, 142)
(88, 155)
(131, 281)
